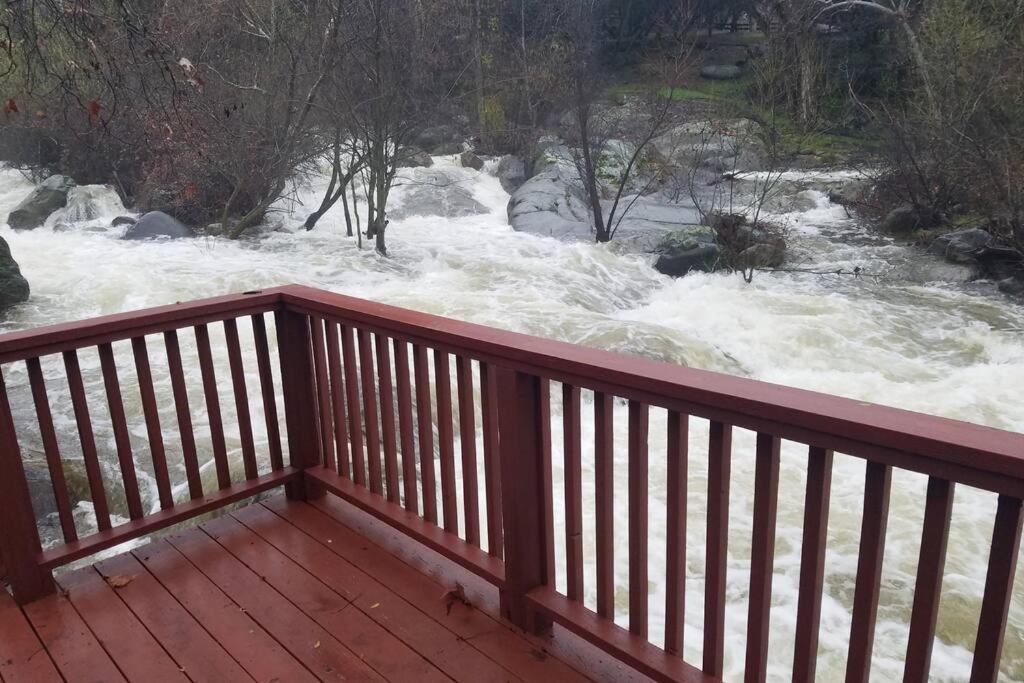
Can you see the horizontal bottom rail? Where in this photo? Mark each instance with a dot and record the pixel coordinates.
(65, 554)
(632, 650)
(415, 527)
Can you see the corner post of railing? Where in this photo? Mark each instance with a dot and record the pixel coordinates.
(294, 345)
(521, 451)
(19, 536)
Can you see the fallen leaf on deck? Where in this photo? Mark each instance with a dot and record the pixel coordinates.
(119, 581)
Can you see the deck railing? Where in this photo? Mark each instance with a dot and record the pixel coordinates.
(376, 402)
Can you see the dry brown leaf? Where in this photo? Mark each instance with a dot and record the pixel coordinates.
(119, 581)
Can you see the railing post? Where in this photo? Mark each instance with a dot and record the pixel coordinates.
(521, 451)
(294, 347)
(19, 536)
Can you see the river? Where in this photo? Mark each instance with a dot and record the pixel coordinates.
(889, 337)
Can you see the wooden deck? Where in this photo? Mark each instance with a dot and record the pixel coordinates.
(277, 591)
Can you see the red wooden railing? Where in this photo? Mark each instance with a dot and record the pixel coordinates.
(373, 398)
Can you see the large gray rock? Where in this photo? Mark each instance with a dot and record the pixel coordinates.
(33, 211)
(155, 225)
(736, 144)
(435, 193)
(13, 285)
(511, 172)
(904, 220)
(1012, 286)
(721, 72)
(414, 157)
(962, 246)
(469, 159)
(691, 248)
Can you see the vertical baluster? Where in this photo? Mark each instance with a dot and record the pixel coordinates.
(405, 425)
(237, 370)
(370, 412)
(717, 552)
(878, 483)
(938, 512)
(220, 451)
(604, 468)
(492, 466)
(85, 436)
(445, 438)
(762, 555)
(1002, 567)
(467, 435)
(425, 430)
(300, 402)
(638, 483)
(547, 479)
(19, 542)
(812, 563)
(50, 446)
(355, 420)
(259, 333)
(572, 430)
(338, 400)
(123, 443)
(675, 581)
(323, 393)
(188, 439)
(387, 418)
(153, 430)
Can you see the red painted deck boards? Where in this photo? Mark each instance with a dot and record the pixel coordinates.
(278, 591)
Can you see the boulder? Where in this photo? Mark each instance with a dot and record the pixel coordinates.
(435, 193)
(511, 172)
(414, 157)
(906, 219)
(442, 137)
(1012, 286)
(961, 246)
(721, 72)
(155, 225)
(471, 160)
(762, 255)
(33, 211)
(678, 263)
(13, 285)
(123, 220)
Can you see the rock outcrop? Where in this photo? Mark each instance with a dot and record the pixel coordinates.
(14, 287)
(158, 225)
(432, 192)
(414, 157)
(47, 198)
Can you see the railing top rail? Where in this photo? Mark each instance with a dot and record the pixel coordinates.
(963, 444)
(40, 341)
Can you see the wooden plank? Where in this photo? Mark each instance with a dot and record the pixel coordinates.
(405, 427)
(22, 656)
(234, 630)
(604, 488)
(425, 432)
(152, 415)
(1002, 568)
(878, 483)
(355, 420)
(445, 440)
(241, 393)
(79, 657)
(938, 512)
(220, 451)
(302, 586)
(509, 649)
(295, 631)
(94, 473)
(259, 333)
(387, 418)
(467, 437)
(638, 483)
(573, 468)
(676, 494)
(51, 448)
(135, 652)
(338, 400)
(368, 377)
(492, 466)
(762, 555)
(717, 551)
(200, 657)
(812, 563)
(324, 412)
(122, 442)
(314, 549)
(181, 404)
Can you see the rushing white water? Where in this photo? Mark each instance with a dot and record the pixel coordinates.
(888, 337)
